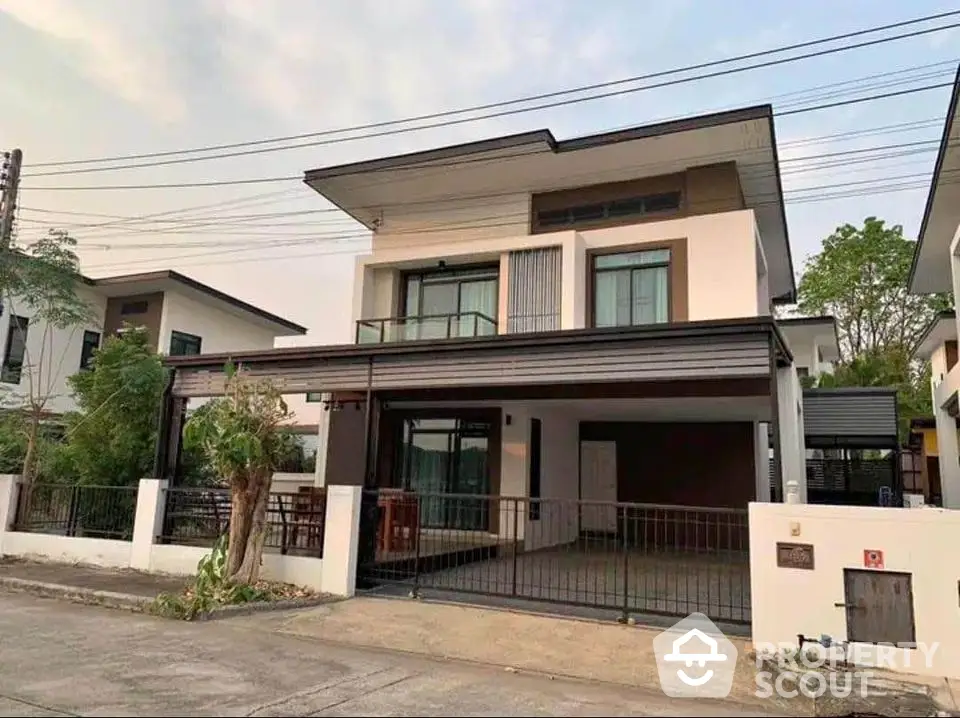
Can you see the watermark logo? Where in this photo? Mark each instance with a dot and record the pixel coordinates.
(695, 659)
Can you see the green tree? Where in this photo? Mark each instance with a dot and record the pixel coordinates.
(860, 278)
(45, 278)
(111, 438)
(243, 437)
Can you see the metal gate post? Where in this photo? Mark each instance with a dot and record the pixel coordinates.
(625, 613)
(516, 519)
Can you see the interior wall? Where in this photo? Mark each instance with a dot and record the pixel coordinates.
(685, 463)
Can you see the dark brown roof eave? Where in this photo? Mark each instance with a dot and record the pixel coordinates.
(705, 329)
(937, 169)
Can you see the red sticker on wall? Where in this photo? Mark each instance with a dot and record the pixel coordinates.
(872, 558)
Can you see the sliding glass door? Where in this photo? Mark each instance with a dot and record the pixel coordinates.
(447, 456)
(451, 303)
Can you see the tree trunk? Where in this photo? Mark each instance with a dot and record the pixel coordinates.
(30, 456)
(241, 519)
(249, 571)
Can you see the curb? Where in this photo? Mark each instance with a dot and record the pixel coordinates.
(245, 609)
(77, 594)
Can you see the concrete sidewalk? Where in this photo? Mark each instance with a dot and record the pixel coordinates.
(94, 578)
(58, 658)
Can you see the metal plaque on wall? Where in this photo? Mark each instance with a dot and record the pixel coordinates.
(795, 555)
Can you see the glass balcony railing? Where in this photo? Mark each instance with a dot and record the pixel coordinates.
(434, 326)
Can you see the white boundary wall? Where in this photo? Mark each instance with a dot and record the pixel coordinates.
(335, 573)
(790, 601)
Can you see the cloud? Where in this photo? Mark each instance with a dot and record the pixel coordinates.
(116, 47)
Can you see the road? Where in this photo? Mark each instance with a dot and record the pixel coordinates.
(58, 658)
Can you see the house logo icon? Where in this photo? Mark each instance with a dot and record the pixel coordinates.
(694, 659)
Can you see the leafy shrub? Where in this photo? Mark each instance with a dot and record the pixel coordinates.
(210, 589)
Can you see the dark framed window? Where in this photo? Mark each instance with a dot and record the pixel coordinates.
(183, 344)
(139, 307)
(535, 430)
(631, 288)
(91, 342)
(611, 209)
(802, 371)
(470, 295)
(15, 350)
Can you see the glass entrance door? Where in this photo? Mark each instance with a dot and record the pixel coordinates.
(447, 456)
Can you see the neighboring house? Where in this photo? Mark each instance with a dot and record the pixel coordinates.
(936, 268)
(182, 317)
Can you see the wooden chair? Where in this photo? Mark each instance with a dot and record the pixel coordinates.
(399, 520)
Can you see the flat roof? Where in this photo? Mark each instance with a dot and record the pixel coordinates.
(122, 282)
(706, 329)
(533, 162)
(930, 271)
(942, 328)
(822, 329)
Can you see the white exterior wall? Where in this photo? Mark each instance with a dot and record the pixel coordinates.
(559, 479)
(219, 330)
(59, 349)
(947, 442)
(722, 275)
(787, 601)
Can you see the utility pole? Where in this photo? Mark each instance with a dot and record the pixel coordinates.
(9, 182)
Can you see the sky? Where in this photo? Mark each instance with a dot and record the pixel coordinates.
(109, 78)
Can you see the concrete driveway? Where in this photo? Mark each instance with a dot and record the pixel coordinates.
(64, 659)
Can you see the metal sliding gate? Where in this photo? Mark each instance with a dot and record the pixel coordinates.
(632, 558)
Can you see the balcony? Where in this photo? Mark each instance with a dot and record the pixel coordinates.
(427, 327)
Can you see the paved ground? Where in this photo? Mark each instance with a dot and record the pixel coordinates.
(58, 658)
(98, 579)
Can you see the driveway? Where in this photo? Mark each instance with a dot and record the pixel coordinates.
(59, 658)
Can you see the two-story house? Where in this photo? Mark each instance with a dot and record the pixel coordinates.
(936, 269)
(566, 339)
(181, 315)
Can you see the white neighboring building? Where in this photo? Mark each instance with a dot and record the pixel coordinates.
(181, 315)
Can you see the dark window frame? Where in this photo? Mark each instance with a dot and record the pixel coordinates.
(536, 448)
(185, 338)
(91, 342)
(134, 308)
(457, 274)
(13, 374)
(618, 209)
(614, 251)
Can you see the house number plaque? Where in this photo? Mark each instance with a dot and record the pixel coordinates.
(795, 555)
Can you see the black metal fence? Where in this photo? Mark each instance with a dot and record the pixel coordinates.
(75, 510)
(852, 481)
(635, 558)
(198, 517)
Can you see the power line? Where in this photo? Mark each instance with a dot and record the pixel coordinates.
(510, 112)
(265, 180)
(562, 93)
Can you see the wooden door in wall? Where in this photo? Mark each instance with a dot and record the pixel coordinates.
(598, 482)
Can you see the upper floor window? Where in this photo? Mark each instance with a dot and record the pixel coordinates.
(138, 307)
(183, 344)
(631, 288)
(613, 209)
(91, 342)
(803, 371)
(451, 303)
(15, 350)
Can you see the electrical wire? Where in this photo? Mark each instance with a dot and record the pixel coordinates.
(565, 92)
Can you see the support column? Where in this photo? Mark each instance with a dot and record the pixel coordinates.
(761, 442)
(148, 521)
(323, 440)
(790, 429)
(8, 501)
(341, 540)
(573, 302)
(775, 440)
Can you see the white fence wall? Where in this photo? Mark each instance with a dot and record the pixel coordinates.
(335, 573)
(791, 601)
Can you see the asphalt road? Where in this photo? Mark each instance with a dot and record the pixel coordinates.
(58, 658)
